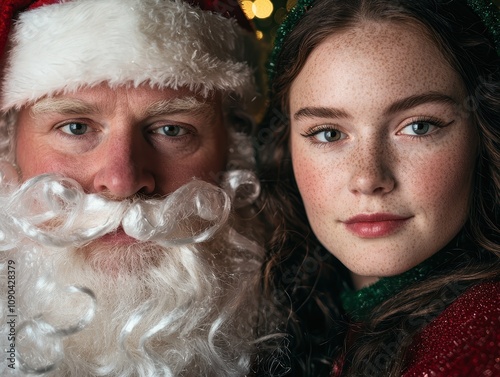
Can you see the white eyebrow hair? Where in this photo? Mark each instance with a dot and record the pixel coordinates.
(177, 105)
(70, 106)
(180, 105)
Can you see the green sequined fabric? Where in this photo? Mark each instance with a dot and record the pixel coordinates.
(288, 24)
(490, 14)
(358, 304)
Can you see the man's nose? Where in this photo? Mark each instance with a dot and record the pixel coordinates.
(125, 169)
(371, 172)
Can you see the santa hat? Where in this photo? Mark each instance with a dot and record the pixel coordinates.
(57, 46)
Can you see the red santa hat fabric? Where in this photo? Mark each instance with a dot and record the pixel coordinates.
(57, 46)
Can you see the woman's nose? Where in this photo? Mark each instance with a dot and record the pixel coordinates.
(372, 170)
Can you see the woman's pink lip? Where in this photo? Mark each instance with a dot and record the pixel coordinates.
(375, 225)
(374, 217)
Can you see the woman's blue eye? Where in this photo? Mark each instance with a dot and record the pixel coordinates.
(420, 128)
(328, 136)
(74, 128)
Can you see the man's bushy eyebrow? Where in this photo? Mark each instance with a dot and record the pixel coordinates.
(70, 106)
(179, 105)
(73, 106)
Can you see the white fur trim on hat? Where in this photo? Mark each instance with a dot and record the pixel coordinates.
(166, 43)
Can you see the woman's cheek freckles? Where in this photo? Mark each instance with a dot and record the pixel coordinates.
(310, 178)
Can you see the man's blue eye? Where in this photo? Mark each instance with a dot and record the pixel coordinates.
(171, 130)
(75, 128)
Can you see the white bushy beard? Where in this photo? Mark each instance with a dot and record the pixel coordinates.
(182, 302)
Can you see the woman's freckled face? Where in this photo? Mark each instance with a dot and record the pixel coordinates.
(382, 151)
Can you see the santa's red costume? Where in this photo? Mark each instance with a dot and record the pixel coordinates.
(183, 299)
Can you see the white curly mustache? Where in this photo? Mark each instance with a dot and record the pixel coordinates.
(55, 211)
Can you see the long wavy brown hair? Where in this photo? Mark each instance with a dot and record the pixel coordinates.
(301, 276)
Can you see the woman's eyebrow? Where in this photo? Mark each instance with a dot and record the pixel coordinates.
(420, 99)
(400, 105)
(320, 112)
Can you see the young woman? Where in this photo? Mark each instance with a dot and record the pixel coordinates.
(380, 159)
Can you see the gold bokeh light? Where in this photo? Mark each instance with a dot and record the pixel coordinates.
(257, 8)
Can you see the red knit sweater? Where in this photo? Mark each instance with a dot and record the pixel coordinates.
(463, 341)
